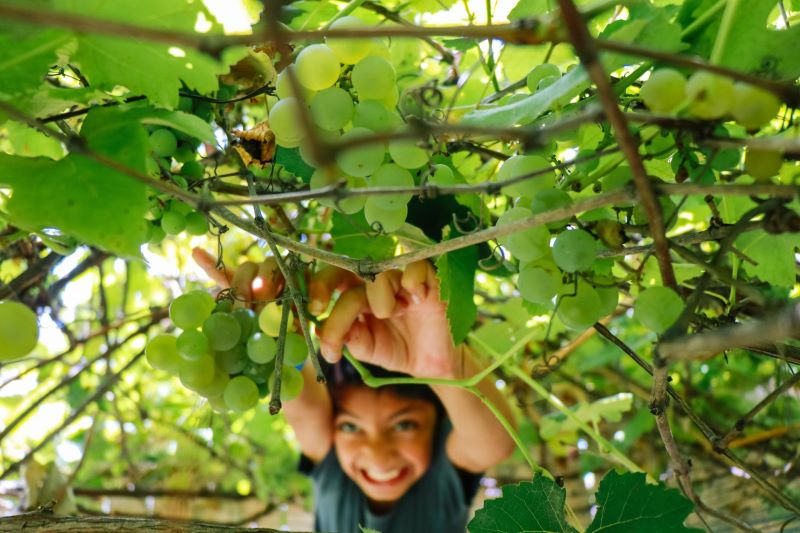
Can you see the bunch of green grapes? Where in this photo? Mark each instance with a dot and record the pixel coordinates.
(173, 217)
(224, 354)
(349, 90)
(710, 96)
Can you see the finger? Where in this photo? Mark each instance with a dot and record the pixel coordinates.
(206, 261)
(324, 282)
(346, 311)
(243, 280)
(382, 293)
(415, 279)
(360, 341)
(269, 282)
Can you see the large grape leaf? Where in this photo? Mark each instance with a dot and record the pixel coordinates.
(773, 254)
(625, 502)
(25, 59)
(80, 196)
(751, 46)
(528, 507)
(456, 272)
(156, 70)
(353, 236)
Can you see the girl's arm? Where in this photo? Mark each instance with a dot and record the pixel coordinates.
(478, 441)
(311, 417)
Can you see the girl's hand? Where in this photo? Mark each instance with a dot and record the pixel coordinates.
(253, 285)
(397, 322)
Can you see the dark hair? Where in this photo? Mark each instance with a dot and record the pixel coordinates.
(343, 374)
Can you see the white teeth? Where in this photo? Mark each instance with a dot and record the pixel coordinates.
(383, 476)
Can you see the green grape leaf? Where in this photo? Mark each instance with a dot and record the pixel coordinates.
(187, 123)
(309, 15)
(156, 70)
(529, 8)
(29, 142)
(752, 46)
(353, 236)
(291, 161)
(462, 44)
(627, 503)
(80, 196)
(25, 59)
(530, 108)
(774, 255)
(528, 507)
(456, 272)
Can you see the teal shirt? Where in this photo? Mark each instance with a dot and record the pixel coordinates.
(437, 503)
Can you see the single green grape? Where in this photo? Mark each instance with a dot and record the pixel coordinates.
(538, 285)
(223, 331)
(196, 374)
(391, 175)
(188, 311)
(196, 224)
(753, 107)
(548, 200)
(657, 308)
(217, 385)
(223, 306)
(163, 142)
(317, 67)
(711, 95)
(193, 344)
(184, 154)
(762, 164)
(261, 348)
(283, 87)
(323, 177)
(295, 350)
(19, 330)
(664, 90)
(538, 73)
(526, 245)
(609, 298)
(442, 176)
(173, 223)
(546, 82)
(389, 220)
(373, 115)
(373, 78)
(291, 383)
(284, 122)
(407, 154)
(574, 250)
(248, 320)
(522, 165)
(203, 299)
(269, 319)
(162, 353)
(362, 159)
(233, 360)
(193, 170)
(157, 234)
(258, 372)
(332, 108)
(348, 51)
(241, 394)
(581, 310)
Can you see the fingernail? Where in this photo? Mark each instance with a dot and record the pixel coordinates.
(415, 298)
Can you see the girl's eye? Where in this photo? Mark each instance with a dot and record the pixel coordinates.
(406, 425)
(347, 427)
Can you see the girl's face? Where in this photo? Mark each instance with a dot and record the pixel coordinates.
(383, 441)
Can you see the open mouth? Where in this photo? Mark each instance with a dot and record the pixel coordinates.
(385, 478)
